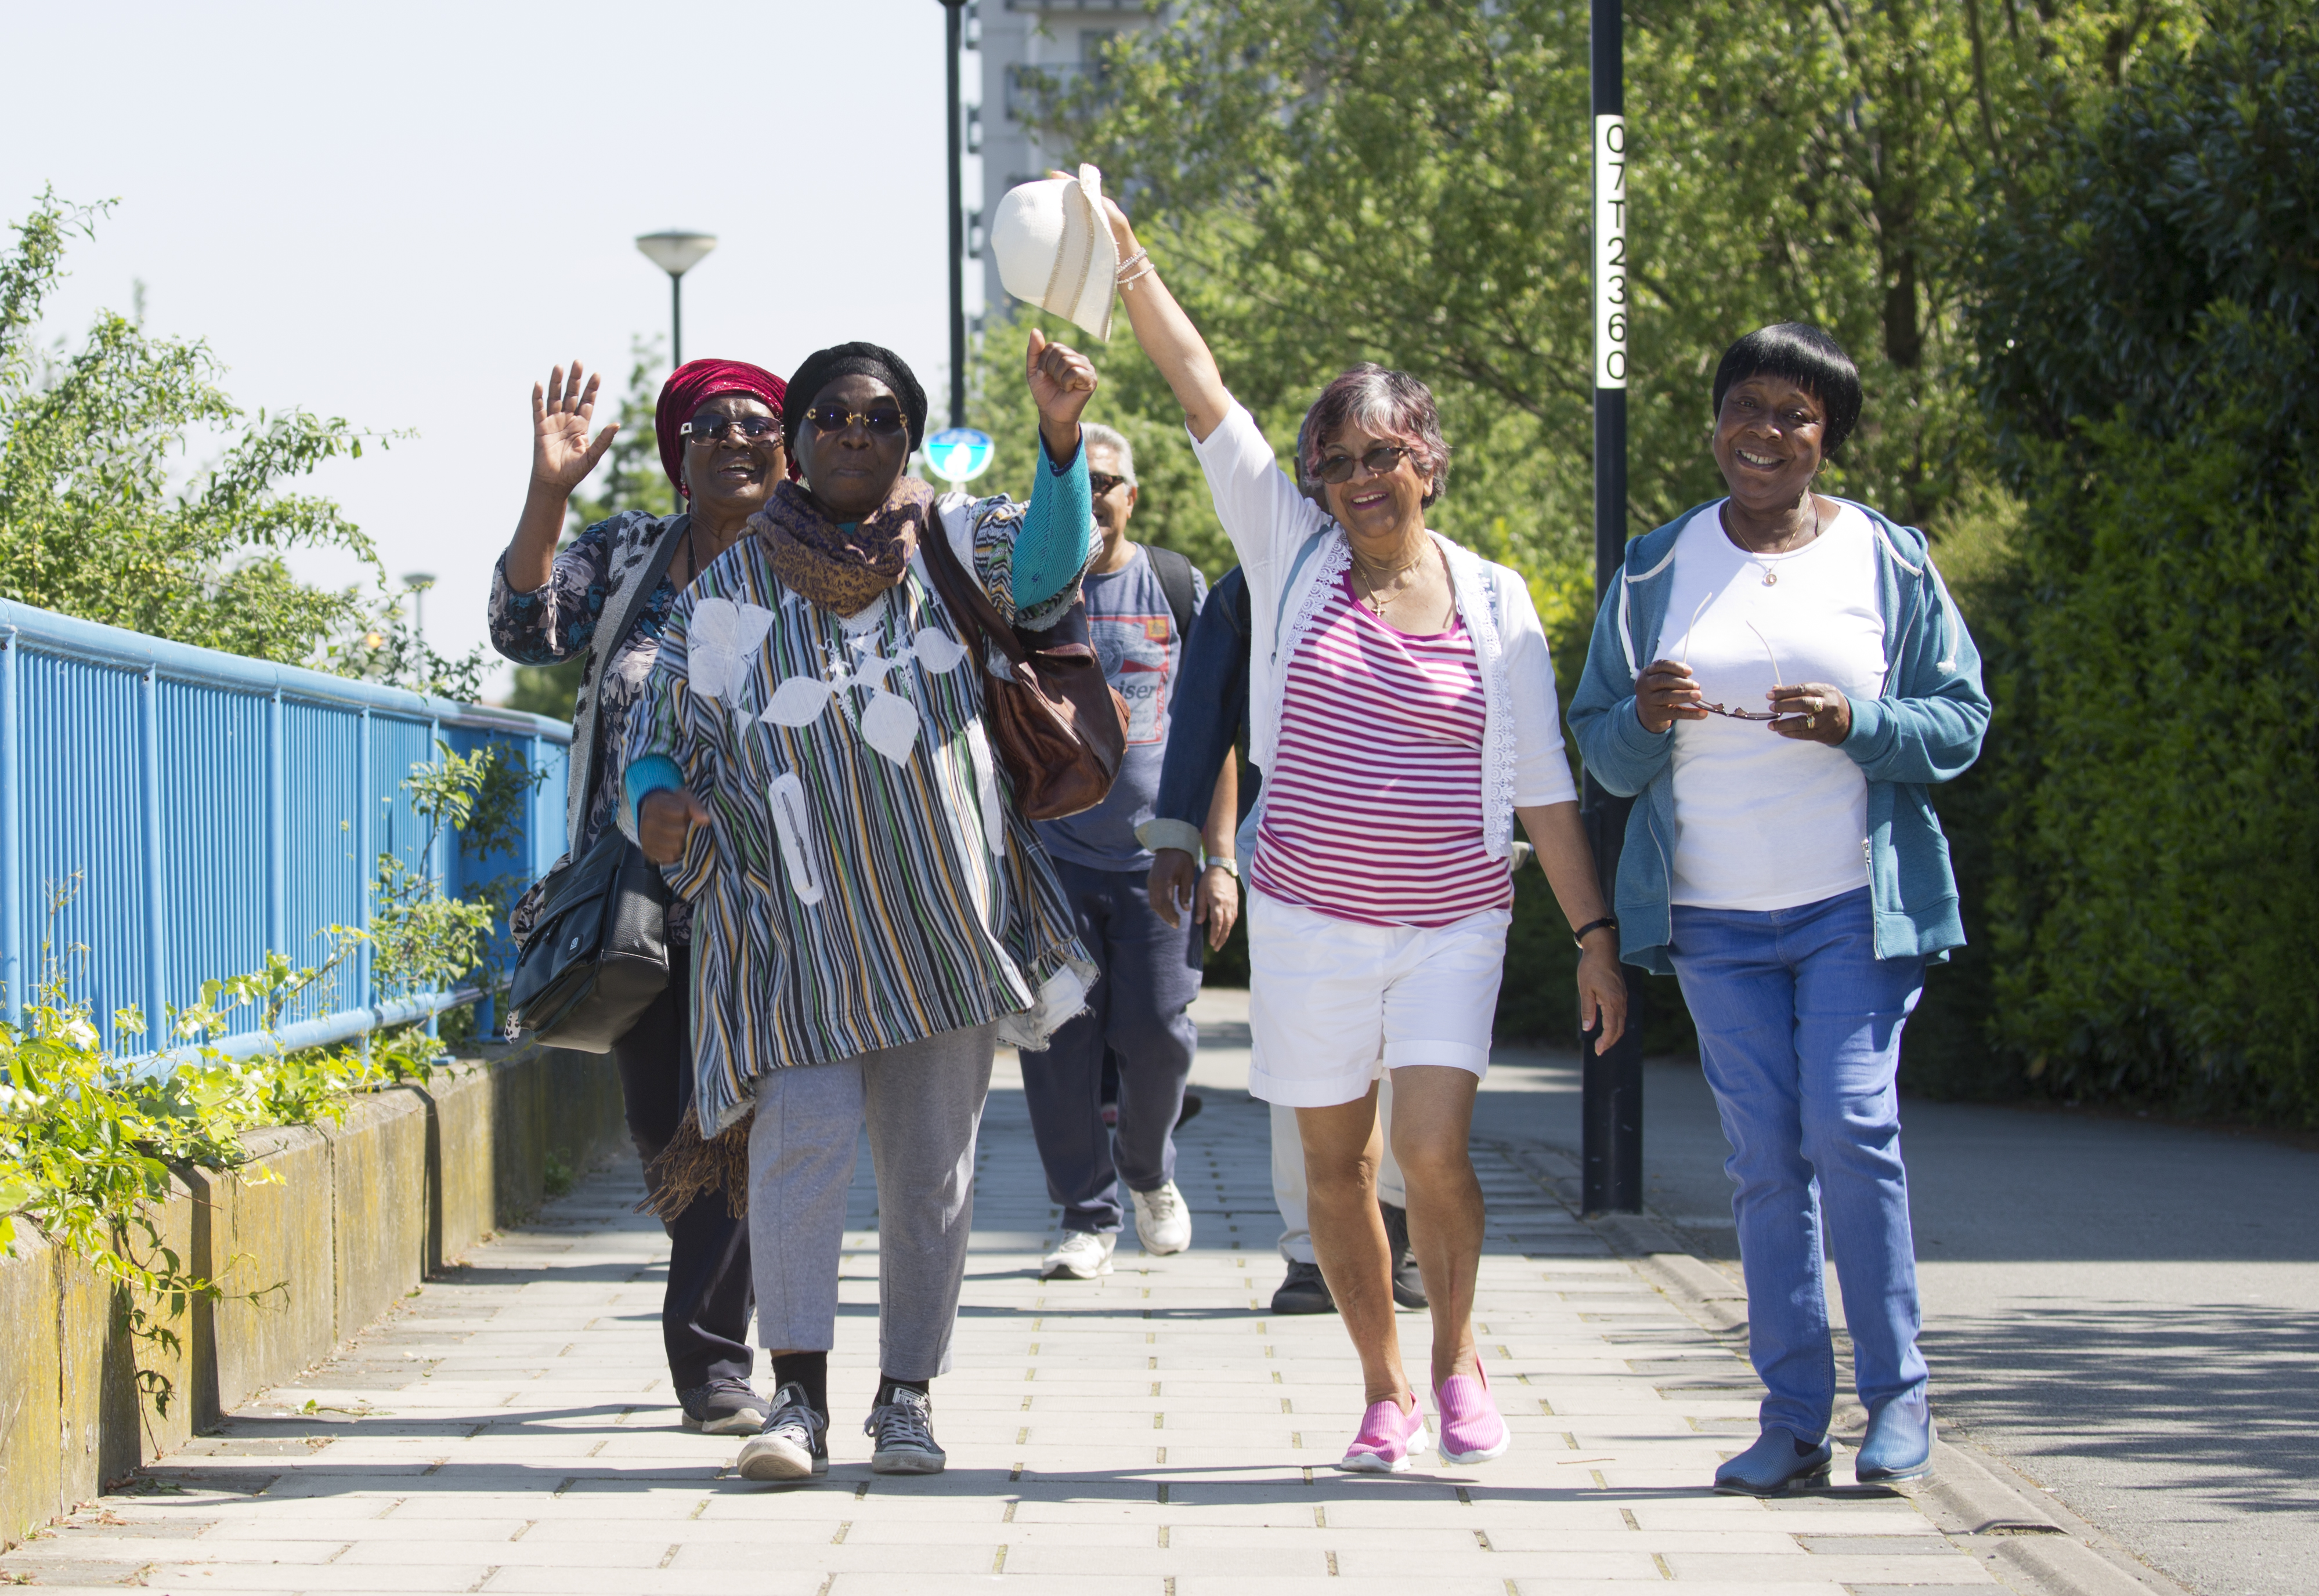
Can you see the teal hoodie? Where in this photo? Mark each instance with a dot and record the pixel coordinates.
(1927, 727)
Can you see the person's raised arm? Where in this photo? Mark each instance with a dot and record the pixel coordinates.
(561, 456)
(1167, 335)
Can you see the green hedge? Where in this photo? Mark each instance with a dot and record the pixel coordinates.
(2146, 869)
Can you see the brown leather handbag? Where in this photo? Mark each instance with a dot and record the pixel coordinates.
(1058, 727)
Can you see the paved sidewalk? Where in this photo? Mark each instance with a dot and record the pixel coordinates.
(1155, 1432)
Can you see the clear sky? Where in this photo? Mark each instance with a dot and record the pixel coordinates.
(405, 214)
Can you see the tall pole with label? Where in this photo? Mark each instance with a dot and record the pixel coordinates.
(1613, 1082)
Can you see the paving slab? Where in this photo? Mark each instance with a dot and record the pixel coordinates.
(1156, 1432)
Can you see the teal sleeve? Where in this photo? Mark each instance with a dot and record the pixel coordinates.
(640, 781)
(1057, 530)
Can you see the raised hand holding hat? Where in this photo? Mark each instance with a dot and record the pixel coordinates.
(1053, 245)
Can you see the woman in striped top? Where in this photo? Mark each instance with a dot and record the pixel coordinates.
(872, 914)
(1403, 712)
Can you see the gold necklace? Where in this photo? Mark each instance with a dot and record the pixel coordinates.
(1376, 605)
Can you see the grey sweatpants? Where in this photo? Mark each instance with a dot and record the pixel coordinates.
(923, 1103)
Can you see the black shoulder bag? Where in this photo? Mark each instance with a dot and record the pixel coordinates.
(598, 954)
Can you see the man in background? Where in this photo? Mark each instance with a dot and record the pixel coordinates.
(1140, 605)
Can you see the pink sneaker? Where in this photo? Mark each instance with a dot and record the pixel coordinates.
(1471, 1430)
(1388, 1435)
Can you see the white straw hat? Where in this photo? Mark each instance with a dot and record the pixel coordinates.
(1054, 247)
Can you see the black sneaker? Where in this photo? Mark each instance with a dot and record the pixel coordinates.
(1304, 1292)
(793, 1445)
(902, 1431)
(723, 1407)
(1408, 1284)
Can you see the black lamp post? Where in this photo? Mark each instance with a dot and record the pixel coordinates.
(954, 40)
(1611, 1105)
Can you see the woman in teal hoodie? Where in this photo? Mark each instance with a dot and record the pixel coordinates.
(1779, 676)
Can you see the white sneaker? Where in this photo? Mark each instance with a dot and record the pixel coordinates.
(1081, 1255)
(1163, 1222)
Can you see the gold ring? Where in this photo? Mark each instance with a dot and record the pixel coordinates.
(1812, 720)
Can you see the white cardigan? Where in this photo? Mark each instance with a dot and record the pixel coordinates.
(1291, 550)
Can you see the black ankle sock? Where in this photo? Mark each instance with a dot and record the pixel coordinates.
(808, 1369)
(888, 1386)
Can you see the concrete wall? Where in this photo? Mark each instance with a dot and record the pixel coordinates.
(320, 1233)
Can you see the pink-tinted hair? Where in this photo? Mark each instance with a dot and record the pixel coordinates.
(1384, 403)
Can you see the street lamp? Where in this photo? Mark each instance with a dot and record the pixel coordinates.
(676, 252)
(419, 582)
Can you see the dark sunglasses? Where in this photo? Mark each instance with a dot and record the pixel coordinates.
(717, 429)
(1339, 468)
(1103, 482)
(885, 420)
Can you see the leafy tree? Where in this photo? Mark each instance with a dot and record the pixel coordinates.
(628, 478)
(90, 521)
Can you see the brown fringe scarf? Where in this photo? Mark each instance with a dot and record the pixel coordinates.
(690, 1166)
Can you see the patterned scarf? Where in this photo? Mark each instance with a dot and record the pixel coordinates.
(843, 568)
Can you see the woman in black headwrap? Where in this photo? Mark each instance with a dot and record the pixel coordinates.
(871, 912)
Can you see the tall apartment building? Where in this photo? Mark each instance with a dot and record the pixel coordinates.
(1024, 42)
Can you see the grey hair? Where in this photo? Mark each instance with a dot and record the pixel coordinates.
(1384, 403)
(1093, 433)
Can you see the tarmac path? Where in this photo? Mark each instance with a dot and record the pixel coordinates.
(2127, 1312)
(1155, 1432)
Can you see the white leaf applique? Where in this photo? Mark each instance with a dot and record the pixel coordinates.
(798, 702)
(937, 649)
(889, 724)
(723, 636)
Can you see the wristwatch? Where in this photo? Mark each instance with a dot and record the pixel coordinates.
(1226, 864)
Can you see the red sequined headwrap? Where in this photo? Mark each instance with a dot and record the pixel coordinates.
(695, 383)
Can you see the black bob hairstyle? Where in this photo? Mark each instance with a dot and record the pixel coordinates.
(1808, 357)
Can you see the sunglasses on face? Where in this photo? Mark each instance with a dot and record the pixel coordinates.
(883, 419)
(1383, 457)
(717, 429)
(1103, 482)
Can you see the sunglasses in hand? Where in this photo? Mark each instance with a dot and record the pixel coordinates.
(1717, 708)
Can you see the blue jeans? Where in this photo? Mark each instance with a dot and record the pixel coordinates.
(1799, 1030)
(1136, 1012)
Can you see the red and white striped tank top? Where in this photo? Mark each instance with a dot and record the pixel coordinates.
(1373, 805)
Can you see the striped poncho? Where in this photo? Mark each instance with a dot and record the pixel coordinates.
(867, 881)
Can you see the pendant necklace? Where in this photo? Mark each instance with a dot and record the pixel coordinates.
(1771, 575)
(1376, 604)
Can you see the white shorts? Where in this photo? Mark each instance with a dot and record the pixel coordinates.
(1331, 1003)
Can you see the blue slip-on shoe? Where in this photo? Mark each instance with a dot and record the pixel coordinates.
(1898, 1446)
(1777, 1463)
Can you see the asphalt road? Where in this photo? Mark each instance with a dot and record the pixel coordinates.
(2128, 1312)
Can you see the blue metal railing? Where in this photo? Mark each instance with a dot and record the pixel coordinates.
(171, 814)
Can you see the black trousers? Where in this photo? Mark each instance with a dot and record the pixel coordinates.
(704, 1318)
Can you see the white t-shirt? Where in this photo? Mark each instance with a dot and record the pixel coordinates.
(1761, 821)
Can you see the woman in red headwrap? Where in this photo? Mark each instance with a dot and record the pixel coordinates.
(720, 441)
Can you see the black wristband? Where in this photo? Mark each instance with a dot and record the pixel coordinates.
(1592, 926)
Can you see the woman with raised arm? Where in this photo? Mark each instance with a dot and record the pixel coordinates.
(718, 426)
(1779, 676)
(1403, 710)
(872, 914)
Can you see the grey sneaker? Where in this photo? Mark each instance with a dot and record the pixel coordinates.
(723, 1407)
(793, 1445)
(903, 1433)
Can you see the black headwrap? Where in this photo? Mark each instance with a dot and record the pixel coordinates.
(825, 367)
